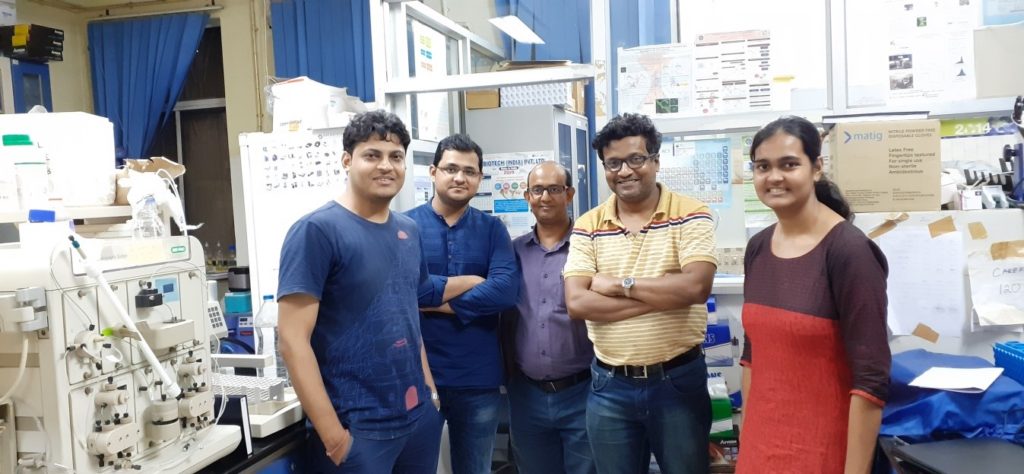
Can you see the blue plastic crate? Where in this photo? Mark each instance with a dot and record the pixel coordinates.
(1010, 356)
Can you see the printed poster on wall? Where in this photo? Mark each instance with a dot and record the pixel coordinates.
(931, 50)
(655, 80)
(701, 169)
(723, 72)
(505, 179)
(732, 72)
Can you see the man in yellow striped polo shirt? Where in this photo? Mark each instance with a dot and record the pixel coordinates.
(639, 271)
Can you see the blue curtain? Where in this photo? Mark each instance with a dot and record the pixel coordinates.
(138, 69)
(564, 26)
(326, 40)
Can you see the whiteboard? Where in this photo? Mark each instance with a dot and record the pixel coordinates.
(284, 177)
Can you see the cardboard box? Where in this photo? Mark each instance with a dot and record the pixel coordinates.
(305, 104)
(483, 99)
(718, 345)
(887, 166)
(151, 165)
(723, 454)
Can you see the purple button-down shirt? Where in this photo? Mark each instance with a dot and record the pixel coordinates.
(548, 344)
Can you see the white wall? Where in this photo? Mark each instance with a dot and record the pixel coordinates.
(70, 84)
(472, 15)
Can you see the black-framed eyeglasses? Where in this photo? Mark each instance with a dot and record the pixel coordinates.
(634, 162)
(553, 190)
(467, 172)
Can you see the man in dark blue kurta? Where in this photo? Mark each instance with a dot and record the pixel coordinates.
(349, 282)
(473, 277)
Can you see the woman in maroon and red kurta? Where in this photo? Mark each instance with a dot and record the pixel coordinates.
(816, 357)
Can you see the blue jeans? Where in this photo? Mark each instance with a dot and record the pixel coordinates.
(549, 430)
(414, 453)
(669, 415)
(472, 416)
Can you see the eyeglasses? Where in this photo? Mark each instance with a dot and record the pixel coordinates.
(634, 162)
(467, 172)
(553, 190)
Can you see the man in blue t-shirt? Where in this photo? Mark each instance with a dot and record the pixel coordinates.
(349, 322)
(473, 277)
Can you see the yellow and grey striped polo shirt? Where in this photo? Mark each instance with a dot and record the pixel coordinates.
(680, 232)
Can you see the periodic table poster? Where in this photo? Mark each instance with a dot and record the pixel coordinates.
(700, 169)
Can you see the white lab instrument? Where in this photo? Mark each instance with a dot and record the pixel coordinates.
(107, 359)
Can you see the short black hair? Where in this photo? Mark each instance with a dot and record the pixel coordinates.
(628, 125)
(458, 142)
(568, 174)
(377, 124)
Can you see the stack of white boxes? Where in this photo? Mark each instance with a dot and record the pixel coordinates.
(559, 93)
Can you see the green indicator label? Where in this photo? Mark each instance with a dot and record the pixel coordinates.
(178, 249)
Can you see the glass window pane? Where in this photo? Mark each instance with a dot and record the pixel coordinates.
(480, 61)
(32, 84)
(431, 55)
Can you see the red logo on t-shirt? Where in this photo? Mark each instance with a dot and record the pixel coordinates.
(411, 398)
(402, 235)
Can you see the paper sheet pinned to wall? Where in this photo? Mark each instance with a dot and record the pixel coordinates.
(926, 281)
(997, 284)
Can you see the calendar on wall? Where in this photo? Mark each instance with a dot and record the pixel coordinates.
(700, 169)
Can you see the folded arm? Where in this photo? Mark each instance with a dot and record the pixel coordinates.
(677, 290)
(587, 304)
(500, 290)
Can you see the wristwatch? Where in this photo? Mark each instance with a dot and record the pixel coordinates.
(627, 284)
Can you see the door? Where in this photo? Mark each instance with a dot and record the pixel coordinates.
(31, 84)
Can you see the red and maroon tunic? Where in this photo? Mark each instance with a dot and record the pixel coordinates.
(815, 334)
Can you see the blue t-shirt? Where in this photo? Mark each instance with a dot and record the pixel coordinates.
(367, 333)
(463, 349)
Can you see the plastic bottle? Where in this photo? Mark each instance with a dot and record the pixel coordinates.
(29, 173)
(266, 323)
(218, 259)
(231, 260)
(147, 221)
(208, 257)
(9, 200)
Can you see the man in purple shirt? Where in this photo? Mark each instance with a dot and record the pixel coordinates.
(547, 354)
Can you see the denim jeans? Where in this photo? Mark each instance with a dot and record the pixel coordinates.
(472, 416)
(669, 414)
(413, 453)
(549, 430)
